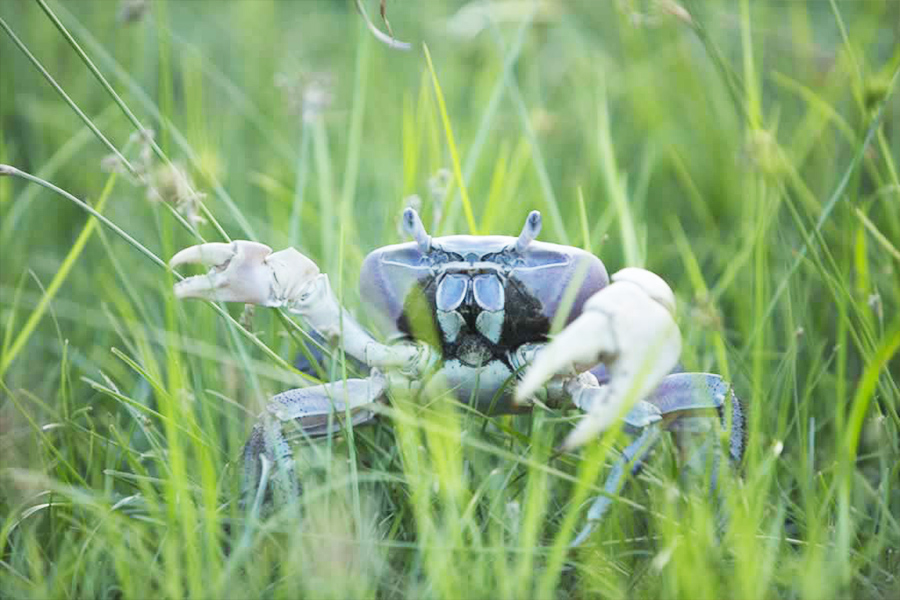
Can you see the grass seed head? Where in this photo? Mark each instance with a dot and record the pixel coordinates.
(171, 184)
(765, 154)
(308, 94)
(132, 11)
(672, 8)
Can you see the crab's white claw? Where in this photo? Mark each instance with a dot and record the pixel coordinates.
(245, 272)
(629, 326)
(578, 345)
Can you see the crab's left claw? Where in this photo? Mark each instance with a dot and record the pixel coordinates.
(244, 271)
(628, 326)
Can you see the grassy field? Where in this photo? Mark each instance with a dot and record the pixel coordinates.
(746, 151)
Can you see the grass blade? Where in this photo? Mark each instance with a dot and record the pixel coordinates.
(451, 144)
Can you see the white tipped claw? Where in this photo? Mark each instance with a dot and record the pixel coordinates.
(652, 284)
(215, 254)
(628, 326)
(575, 346)
(592, 425)
(245, 271)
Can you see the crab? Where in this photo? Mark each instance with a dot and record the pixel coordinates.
(474, 313)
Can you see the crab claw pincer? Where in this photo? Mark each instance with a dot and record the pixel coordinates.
(629, 326)
(243, 271)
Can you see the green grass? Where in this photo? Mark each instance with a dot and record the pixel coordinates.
(748, 153)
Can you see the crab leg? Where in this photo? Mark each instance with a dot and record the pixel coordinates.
(680, 404)
(632, 457)
(250, 272)
(628, 326)
(316, 411)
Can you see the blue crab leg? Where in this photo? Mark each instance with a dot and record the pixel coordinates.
(632, 457)
(682, 392)
(316, 411)
(677, 405)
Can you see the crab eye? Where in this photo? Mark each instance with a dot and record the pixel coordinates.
(488, 292)
(451, 292)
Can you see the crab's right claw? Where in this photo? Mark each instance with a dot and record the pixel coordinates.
(245, 272)
(629, 326)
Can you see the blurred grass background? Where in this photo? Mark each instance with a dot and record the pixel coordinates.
(746, 151)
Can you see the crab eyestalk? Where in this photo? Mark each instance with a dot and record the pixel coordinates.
(413, 226)
(530, 231)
